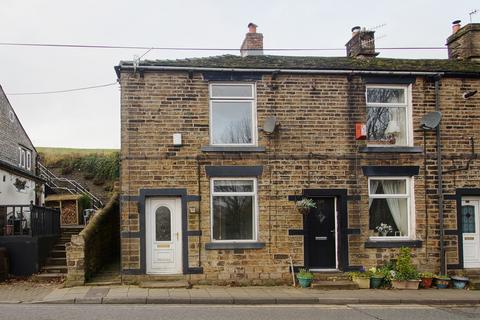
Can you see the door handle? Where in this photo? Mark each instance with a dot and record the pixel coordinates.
(176, 235)
(320, 238)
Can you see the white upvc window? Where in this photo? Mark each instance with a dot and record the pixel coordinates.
(234, 209)
(389, 115)
(391, 207)
(233, 114)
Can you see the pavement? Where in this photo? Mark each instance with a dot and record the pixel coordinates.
(129, 294)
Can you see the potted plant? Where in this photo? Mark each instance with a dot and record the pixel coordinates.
(405, 275)
(384, 229)
(305, 278)
(442, 281)
(426, 279)
(361, 278)
(376, 278)
(459, 282)
(304, 205)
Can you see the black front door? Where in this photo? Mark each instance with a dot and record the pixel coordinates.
(320, 237)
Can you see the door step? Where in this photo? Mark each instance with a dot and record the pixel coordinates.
(165, 284)
(334, 285)
(330, 275)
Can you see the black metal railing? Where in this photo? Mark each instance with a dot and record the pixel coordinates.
(29, 220)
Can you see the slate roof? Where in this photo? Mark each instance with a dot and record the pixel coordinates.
(319, 63)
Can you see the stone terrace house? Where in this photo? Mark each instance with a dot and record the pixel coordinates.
(215, 152)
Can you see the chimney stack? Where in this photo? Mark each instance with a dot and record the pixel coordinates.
(362, 44)
(253, 43)
(464, 42)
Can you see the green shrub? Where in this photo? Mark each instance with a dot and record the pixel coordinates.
(304, 274)
(405, 270)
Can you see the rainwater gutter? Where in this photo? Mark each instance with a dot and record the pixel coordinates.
(119, 68)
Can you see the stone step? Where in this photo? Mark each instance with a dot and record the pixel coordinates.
(472, 272)
(59, 246)
(330, 276)
(334, 285)
(475, 285)
(57, 261)
(165, 284)
(49, 276)
(58, 254)
(54, 269)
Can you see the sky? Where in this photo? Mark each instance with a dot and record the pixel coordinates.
(91, 118)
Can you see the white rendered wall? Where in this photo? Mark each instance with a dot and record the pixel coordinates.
(10, 195)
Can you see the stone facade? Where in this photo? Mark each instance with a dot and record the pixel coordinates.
(94, 246)
(314, 148)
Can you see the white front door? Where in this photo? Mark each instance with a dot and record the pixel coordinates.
(471, 234)
(164, 235)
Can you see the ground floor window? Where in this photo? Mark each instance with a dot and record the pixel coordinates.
(234, 209)
(389, 204)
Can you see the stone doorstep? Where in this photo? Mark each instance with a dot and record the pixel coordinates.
(165, 284)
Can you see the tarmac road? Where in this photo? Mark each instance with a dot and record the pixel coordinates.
(234, 312)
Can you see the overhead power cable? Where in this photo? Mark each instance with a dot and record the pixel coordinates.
(62, 91)
(86, 46)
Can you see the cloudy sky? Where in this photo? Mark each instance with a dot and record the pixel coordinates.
(90, 118)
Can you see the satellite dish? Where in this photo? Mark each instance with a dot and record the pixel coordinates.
(431, 120)
(270, 124)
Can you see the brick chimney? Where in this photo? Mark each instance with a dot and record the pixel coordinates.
(464, 43)
(362, 44)
(253, 43)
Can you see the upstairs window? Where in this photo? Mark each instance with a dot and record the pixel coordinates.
(232, 114)
(25, 158)
(388, 115)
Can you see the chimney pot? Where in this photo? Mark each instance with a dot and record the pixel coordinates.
(252, 27)
(355, 30)
(456, 26)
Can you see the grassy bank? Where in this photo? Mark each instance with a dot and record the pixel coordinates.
(101, 165)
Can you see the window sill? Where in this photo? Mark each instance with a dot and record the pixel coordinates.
(234, 245)
(391, 149)
(392, 243)
(232, 149)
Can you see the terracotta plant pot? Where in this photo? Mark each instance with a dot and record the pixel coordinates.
(426, 283)
(405, 284)
(363, 283)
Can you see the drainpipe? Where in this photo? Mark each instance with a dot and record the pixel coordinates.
(440, 178)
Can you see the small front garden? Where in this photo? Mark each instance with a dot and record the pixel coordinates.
(398, 273)
(402, 274)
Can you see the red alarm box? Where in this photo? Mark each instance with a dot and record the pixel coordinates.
(360, 131)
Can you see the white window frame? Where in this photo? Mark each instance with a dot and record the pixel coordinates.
(409, 195)
(253, 193)
(23, 159)
(408, 111)
(252, 99)
(29, 160)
